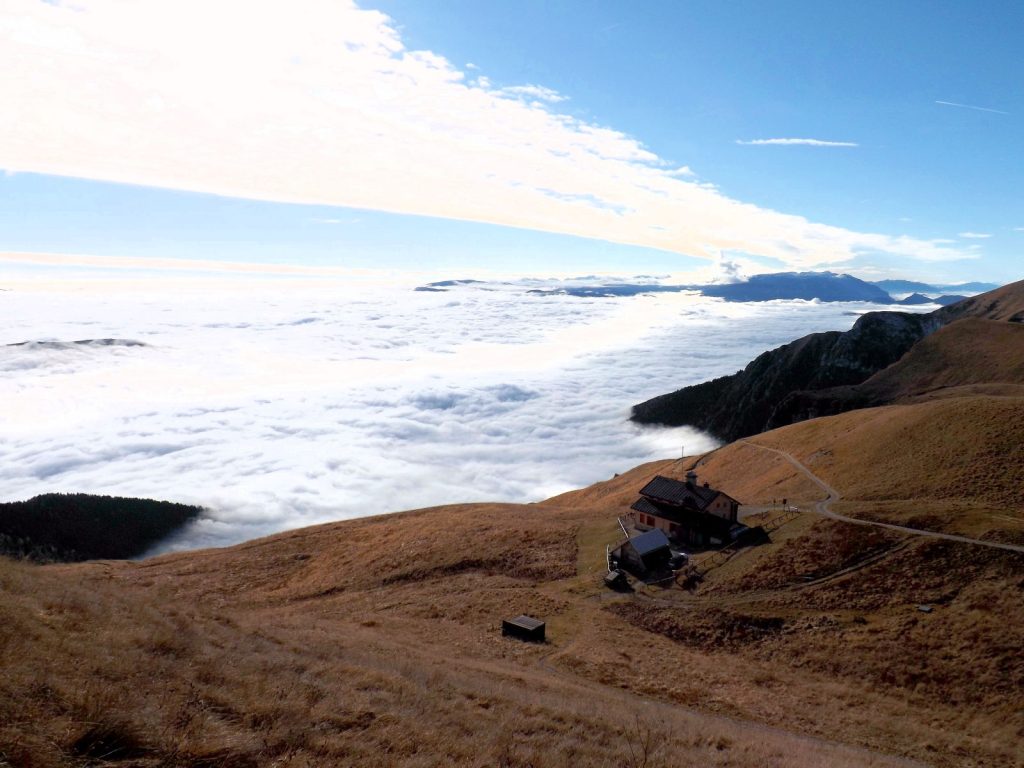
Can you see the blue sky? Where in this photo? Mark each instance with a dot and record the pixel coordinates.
(531, 136)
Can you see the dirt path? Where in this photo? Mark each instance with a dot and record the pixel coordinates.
(823, 508)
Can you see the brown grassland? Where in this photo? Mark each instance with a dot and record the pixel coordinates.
(377, 641)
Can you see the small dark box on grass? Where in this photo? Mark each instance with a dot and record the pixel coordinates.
(524, 628)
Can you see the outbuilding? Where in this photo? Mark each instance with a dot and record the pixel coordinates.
(524, 628)
(646, 554)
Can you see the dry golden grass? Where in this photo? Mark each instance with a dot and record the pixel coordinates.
(959, 449)
(100, 669)
(967, 354)
(377, 641)
(1003, 303)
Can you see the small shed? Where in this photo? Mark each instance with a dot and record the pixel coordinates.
(524, 628)
(616, 579)
(647, 553)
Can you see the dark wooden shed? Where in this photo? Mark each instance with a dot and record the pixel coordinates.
(524, 628)
(645, 554)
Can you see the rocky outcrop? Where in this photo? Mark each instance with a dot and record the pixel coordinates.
(818, 374)
(745, 403)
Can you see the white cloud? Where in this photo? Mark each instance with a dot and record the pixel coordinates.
(538, 92)
(321, 103)
(975, 235)
(797, 142)
(281, 403)
(971, 106)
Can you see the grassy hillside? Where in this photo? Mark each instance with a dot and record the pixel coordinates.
(934, 460)
(377, 641)
(967, 356)
(966, 352)
(1005, 303)
(885, 356)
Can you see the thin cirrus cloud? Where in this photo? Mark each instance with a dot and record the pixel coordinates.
(971, 106)
(320, 102)
(975, 235)
(796, 142)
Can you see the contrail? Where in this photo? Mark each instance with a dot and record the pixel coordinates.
(970, 106)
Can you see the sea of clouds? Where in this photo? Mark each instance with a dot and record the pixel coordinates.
(277, 403)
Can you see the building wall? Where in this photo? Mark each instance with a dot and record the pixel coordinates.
(677, 533)
(723, 507)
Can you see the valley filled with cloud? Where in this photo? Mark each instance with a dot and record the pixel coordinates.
(277, 403)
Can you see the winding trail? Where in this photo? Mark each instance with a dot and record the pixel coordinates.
(823, 508)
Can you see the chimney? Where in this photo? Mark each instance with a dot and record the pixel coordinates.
(691, 478)
(707, 484)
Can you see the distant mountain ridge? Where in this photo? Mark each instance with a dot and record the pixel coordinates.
(912, 286)
(807, 286)
(823, 286)
(806, 378)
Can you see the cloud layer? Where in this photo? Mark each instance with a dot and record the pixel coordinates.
(321, 102)
(281, 403)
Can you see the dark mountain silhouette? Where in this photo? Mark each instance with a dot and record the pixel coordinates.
(915, 299)
(824, 286)
(78, 343)
(69, 527)
(779, 386)
(913, 286)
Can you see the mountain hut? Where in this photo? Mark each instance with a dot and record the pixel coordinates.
(690, 514)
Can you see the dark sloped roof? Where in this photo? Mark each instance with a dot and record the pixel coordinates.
(526, 622)
(646, 506)
(649, 542)
(680, 494)
(687, 517)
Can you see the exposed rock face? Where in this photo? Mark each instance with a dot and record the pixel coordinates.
(818, 374)
(745, 403)
(966, 353)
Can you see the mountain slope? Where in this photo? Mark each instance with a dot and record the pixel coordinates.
(778, 386)
(379, 638)
(969, 355)
(743, 403)
(1005, 303)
